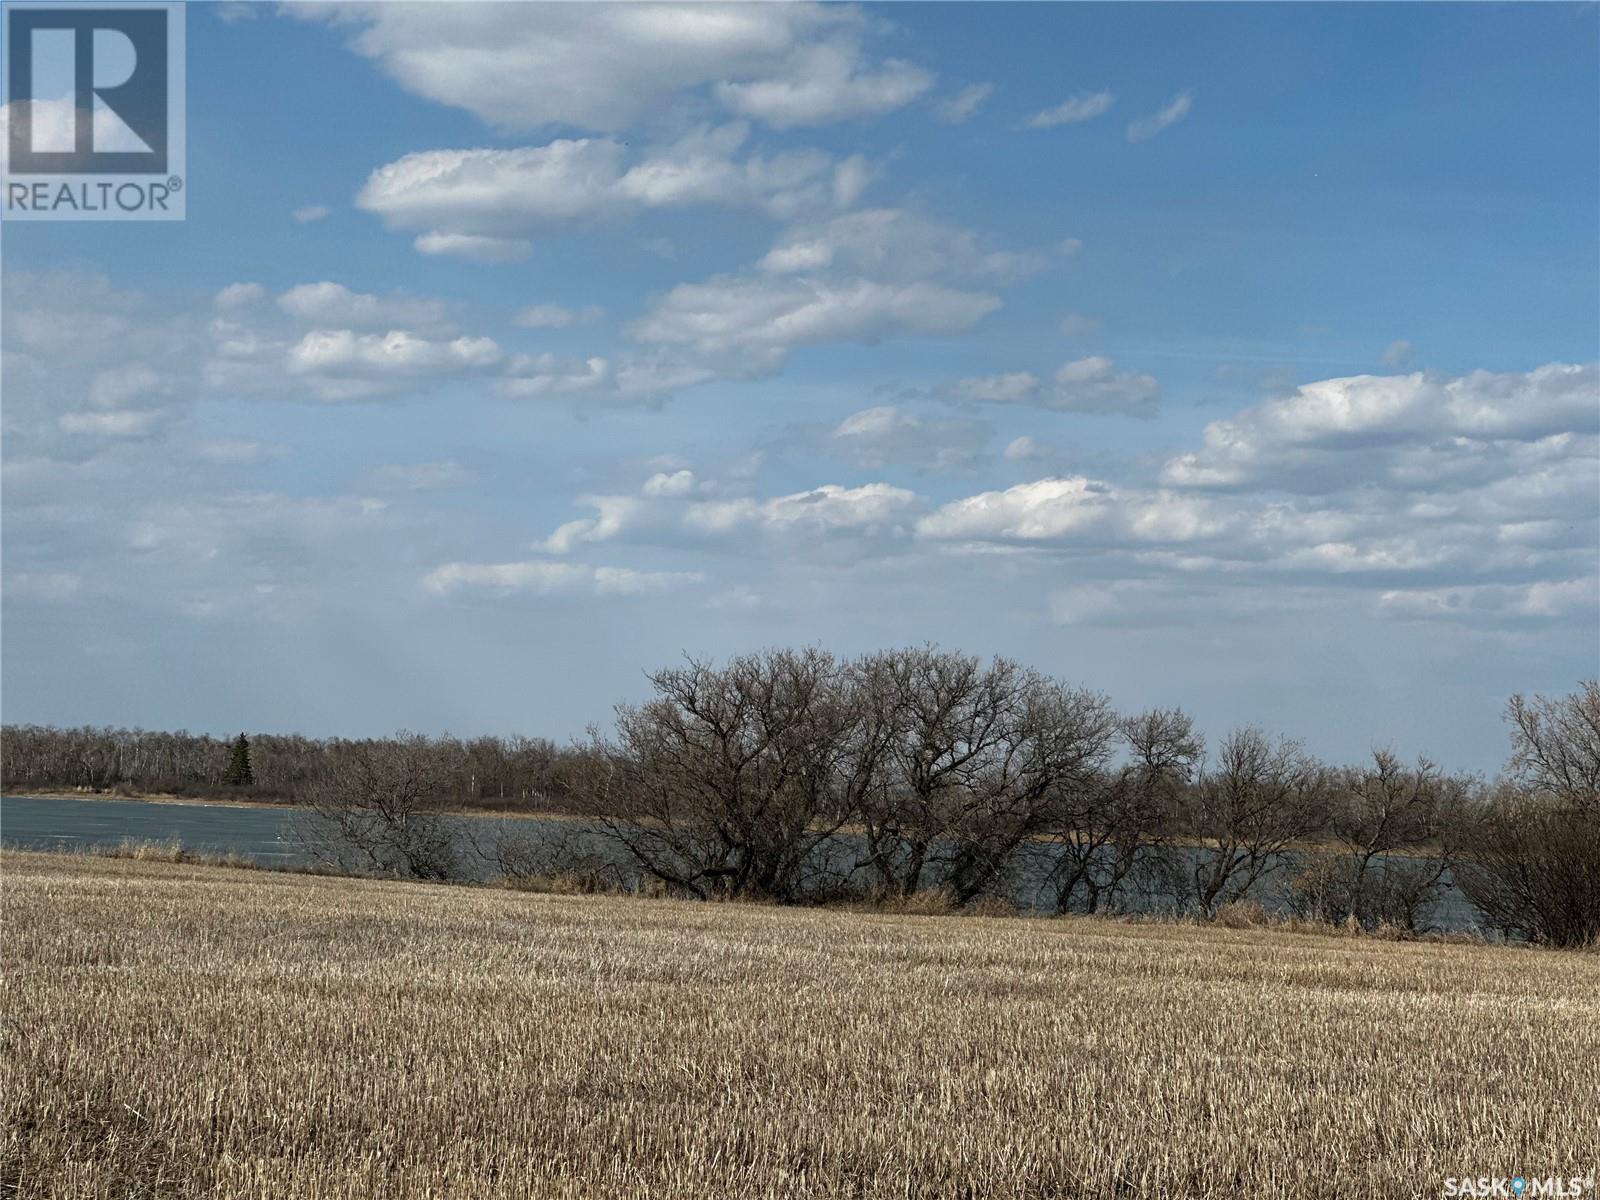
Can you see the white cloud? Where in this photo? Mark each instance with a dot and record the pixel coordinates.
(1496, 604)
(1443, 499)
(1074, 325)
(343, 365)
(398, 352)
(87, 366)
(336, 343)
(237, 451)
(332, 305)
(671, 510)
(124, 423)
(1310, 438)
(607, 67)
(239, 295)
(554, 316)
(761, 320)
(273, 535)
(1399, 353)
(1026, 448)
(886, 436)
(115, 386)
(895, 244)
(964, 105)
(474, 247)
(1085, 385)
(419, 477)
(1048, 509)
(307, 213)
(675, 483)
(56, 120)
(533, 375)
(545, 578)
(1083, 107)
(486, 203)
(826, 83)
(1146, 128)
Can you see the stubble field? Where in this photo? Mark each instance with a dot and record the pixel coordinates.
(178, 1030)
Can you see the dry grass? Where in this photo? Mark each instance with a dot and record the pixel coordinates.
(184, 1030)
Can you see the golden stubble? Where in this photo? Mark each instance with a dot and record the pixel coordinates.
(182, 1030)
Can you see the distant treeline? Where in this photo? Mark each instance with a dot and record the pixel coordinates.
(798, 777)
(493, 773)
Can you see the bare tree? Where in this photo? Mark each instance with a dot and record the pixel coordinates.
(1533, 868)
(728, 783)
(966, 764)
(379, 809)
(1555, 744)
(1401, 829)
(1106, 831)
(1245, 815)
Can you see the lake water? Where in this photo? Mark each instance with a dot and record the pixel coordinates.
(52, 823)
(268, 835)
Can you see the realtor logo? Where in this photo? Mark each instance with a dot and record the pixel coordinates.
(95, 112)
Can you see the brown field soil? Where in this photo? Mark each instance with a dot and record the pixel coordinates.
(181, 1030)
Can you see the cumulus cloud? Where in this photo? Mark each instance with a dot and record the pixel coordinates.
(679, 510)
(889, 436)
(1083, 107)
(760, 321)
(862, 277)
(826, 83)
(89, 368)
(1085, 385)
(532, 375)
(607, 67)
(256, 552)
(486, 203)
(1029, 449)
(55, 121)
(332, 305)
(1176, 110)
(475, 247)
(344, 354)
(1393, 424)
(546, 578)
(327, 342)
(554, 316)
(896, 244)
(1496, 604)
(1441, 499)
(964, 105)
(115, 386)
(239, 295)
(127, 423)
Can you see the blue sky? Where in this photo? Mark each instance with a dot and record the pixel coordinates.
(1234, 357)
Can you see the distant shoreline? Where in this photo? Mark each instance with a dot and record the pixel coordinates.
(230, 802)
(1301, 847)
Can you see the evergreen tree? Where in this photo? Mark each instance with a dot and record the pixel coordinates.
(239, 773)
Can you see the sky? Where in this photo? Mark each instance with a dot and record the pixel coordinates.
(1240, 358)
